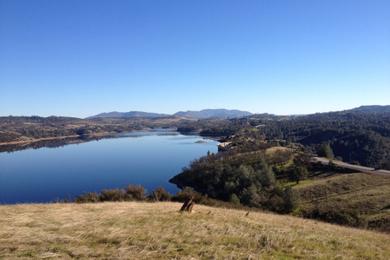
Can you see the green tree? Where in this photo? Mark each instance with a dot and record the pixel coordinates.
(290, 200)
(300, 173)
(234, 199)
(327, 151)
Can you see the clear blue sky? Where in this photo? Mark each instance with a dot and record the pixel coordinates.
(82, 57)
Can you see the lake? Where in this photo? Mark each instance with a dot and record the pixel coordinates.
(146, 158)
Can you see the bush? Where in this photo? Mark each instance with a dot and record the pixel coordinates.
(88, 197)
(113, 195)
(198, 198)
(188, 193)
(326, 150)
(276, 203)
(135, 192)
(337, 215)
(299, 173)
(251, 197)
(234, 199)
(291, 200)
(160, 194)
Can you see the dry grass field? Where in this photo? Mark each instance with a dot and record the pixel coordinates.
(133, 230)
(367, 196)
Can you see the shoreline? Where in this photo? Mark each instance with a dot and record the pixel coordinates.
(55, 138)
(19, 145)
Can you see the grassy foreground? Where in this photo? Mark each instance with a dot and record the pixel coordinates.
(133, 230)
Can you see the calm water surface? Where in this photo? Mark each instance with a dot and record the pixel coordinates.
(48, 174)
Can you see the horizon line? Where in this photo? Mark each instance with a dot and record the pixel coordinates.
(172, 114)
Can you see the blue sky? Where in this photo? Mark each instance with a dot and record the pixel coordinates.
(79, 58)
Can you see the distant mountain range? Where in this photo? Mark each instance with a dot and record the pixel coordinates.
(233, 113)
(131, 114)
(202, 114)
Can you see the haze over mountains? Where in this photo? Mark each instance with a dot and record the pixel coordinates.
(202, 114)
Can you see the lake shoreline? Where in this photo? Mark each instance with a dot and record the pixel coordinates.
(56, 141)
(51, 141)
(64, 169)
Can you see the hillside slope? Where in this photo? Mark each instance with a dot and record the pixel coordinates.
(158, 231)
(356, 199)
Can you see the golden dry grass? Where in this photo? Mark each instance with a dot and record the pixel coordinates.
(276, 149)
(131, 230)
(366, 196)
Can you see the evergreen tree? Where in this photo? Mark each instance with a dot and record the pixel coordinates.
(299, 173)
(327, 151)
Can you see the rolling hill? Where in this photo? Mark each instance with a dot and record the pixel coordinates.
(356, 199)
(370, 109)
(158, 231)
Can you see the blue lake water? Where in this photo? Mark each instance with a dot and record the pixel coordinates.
(48, 174)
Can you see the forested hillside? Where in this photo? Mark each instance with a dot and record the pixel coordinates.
(356, 137)
(267, 159)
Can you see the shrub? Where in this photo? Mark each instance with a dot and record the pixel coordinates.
(88, 197)
(135, 192)
(291, 200)
(276, 200)
(299, 173)
(251, 197)
(234, 199)
(160, 194)
(325, 150)
(337, 215)
(188, 193)
(113, 195)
